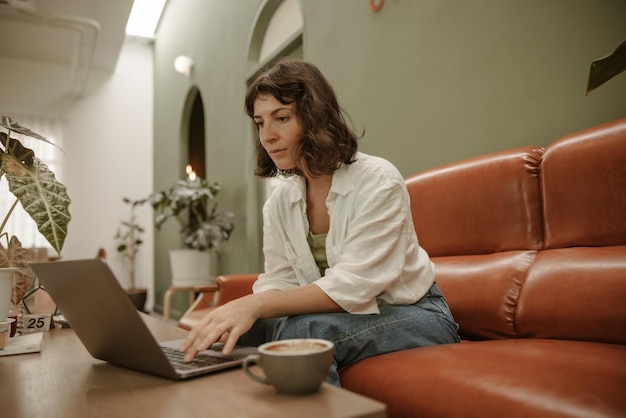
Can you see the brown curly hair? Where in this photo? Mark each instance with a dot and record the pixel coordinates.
(327, 141)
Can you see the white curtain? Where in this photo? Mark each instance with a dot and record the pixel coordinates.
(20, 224)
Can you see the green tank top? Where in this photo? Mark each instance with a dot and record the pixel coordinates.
(317, 243)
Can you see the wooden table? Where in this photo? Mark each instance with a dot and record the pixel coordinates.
(65, 381)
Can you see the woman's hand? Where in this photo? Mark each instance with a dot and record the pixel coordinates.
(230, 321)
(224, 324)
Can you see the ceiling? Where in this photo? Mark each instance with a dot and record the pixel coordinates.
(53, 52)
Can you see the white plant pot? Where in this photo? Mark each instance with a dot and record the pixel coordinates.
(190, 267)
(6, 288)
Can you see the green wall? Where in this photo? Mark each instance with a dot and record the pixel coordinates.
(430, 81)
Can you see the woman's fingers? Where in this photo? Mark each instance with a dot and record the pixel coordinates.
(207, 332)
(195, 331)
(225, 324)
(231, 341)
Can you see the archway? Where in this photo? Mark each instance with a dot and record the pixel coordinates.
(277, 32)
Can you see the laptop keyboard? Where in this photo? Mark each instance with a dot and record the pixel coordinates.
(176, 357)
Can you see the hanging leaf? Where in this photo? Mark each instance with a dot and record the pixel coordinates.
(604, 69)
(17, 256)
(15, 148)
(11, 125)
(43, 197)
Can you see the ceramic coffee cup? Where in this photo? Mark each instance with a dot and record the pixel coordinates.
(293, 367)
(6, 286)
(5, 331)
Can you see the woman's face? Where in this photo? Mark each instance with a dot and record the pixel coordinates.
(279, 129)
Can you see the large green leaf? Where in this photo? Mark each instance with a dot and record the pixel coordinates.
(17, 256)
(43, 197)
(11, 125)
(604, 69)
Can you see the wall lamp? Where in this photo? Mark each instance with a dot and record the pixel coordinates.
(183, 65)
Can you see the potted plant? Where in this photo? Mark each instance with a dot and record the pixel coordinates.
(41, 195)
(129, 240)
(192, 202)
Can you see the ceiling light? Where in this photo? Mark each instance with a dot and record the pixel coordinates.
(144, 18)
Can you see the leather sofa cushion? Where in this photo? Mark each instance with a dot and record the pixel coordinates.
(481, 205)
(482, 291)
(576, 294)
(497, 378)
(583, 177)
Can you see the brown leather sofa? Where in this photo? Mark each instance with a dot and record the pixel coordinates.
(529, 246)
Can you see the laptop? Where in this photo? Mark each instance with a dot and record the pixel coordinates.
(107, 323)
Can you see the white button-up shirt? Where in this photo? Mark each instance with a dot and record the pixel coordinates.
(371, 246)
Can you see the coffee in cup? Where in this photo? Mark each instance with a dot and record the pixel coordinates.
(293, 367)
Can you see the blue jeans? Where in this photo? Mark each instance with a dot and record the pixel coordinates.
(356, 337)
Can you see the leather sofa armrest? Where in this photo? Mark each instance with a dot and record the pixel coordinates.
(205, 299)
(234, 286)
(205, 288)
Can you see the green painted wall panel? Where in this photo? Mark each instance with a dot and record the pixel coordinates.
(430, 81)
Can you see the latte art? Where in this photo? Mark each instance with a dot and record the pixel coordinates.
(297, 346)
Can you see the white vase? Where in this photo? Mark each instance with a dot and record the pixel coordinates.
(6, 287)
(190, 267)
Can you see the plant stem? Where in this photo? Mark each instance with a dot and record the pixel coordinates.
(133, 249)
(6, 218)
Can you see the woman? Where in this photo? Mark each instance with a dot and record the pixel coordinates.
(342, 261)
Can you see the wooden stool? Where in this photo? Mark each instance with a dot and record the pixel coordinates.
(168, 295)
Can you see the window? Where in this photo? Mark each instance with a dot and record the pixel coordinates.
(144, 18)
